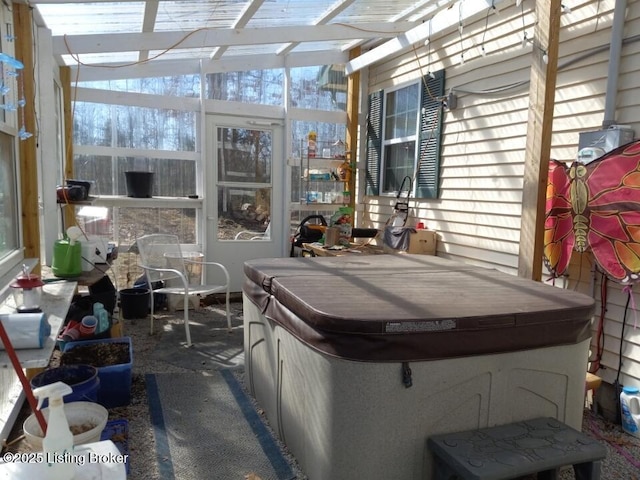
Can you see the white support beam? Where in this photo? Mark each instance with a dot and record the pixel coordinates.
(49, 157)
(148, 100)
(122, 42)
(440, 22)
(323, 19)
(238, 63)
(148, 24)
(243, 19)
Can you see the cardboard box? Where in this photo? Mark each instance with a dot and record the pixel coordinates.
(423, 241)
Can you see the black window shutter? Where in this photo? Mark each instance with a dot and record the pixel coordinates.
(428, 178)
(374, 143)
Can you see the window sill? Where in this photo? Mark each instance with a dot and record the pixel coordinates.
(153, 202)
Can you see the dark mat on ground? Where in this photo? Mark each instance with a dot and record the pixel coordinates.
(206, 427)
(213, 347)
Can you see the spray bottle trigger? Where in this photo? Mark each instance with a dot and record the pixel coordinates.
(52, 391)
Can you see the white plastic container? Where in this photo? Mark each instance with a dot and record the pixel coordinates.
(89, 256)
(630, 410)
(77, 413)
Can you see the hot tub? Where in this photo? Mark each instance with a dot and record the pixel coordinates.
(357, 360)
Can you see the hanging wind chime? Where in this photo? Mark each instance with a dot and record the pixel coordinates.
(11, 68)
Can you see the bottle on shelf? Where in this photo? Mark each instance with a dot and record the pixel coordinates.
(312, 144)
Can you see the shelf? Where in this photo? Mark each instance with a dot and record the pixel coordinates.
(325, 181)
(153, 202)
(328, 204)
(88, 201)
(327, 159)
(56, 298)
(311, 207)
(328, 191)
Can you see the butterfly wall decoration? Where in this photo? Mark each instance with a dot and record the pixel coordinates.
(595, 207)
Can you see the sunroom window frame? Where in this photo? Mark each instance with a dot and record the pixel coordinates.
(11, 263)
(388, 142)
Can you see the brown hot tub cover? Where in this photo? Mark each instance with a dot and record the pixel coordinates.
(387, 308)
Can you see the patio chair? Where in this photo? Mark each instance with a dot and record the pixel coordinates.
(251, 235)
(162, 260)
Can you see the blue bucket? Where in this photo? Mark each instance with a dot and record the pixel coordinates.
(83, 380)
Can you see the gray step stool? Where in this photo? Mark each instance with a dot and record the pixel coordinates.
(541, 446)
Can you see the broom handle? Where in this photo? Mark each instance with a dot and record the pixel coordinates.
(23, 378)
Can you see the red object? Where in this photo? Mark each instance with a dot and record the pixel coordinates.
(32, 281)
(88, 326)
(420, 226)
(594, 207)
(71, 331)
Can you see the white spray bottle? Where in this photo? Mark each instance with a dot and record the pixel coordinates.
(58, 441)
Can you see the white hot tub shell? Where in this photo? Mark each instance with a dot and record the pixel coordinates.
(356, 362)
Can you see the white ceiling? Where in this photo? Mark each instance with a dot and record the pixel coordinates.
(106, 32)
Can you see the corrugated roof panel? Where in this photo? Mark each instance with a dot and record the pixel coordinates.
(94, 18)
(187, 16)
(191, 15)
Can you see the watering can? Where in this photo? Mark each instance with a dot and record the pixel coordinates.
(67, 255)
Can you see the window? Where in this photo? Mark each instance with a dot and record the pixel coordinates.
(403, 137)
(319, 88)
(8, 198)
(11, 254)
(143, 138)
(262, 87)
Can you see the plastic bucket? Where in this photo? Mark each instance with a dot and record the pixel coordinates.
(134, 302)
(83, 380)
(79, 414)
(139, 184)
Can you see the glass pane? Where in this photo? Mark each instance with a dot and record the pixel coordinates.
(401, 113)
(244, 155)
(155, 128)
(322, 87)
(8, 200)
(92, 124)
(134, 127)
(172, 178)
(123, 225)
(399, 160)
(263, 87)
(179, 86)
(326, 133)
(243, 213)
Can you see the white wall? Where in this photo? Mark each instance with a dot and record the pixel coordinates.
(478, 213)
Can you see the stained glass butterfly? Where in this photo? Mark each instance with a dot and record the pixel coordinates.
(596, 207)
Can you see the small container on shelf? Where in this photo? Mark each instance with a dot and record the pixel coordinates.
(311, 144)
(339, 149)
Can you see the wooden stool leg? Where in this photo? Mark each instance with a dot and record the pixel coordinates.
(587, 470)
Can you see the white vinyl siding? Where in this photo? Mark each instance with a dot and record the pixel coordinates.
(478, 213)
